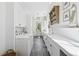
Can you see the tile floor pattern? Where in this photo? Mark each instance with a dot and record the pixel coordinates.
(39, 47)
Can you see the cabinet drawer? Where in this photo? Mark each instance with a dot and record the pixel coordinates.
(54, 51)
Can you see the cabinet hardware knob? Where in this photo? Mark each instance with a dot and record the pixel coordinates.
(50, 45)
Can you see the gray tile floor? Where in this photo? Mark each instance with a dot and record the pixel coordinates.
(39, 47)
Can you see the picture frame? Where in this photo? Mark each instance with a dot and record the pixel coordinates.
(66, 16)
(73, 15)
(66, 5)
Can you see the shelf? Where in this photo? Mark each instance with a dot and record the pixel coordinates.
(54, 15)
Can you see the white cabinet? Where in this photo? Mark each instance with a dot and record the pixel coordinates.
(23, 46)
(51, 46)
(54, 49)
(30, 45)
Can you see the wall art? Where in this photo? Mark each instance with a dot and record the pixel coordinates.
(73, 15)
(66, 16)
(66, 5)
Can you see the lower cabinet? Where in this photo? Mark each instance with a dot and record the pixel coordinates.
(52, 47)
(23, 46)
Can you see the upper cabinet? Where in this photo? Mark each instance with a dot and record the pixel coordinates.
(54, 15)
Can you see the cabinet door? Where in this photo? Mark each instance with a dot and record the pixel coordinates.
(49, 46)
(21, 46)
(52, 47)
(47, 43)
(54, 50)
(30, 45)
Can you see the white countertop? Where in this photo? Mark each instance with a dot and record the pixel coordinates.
(65, 45)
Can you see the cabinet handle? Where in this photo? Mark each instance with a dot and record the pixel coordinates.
(50, 45)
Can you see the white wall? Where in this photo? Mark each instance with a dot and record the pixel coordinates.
(2, 27)
(9, 26)
(19, 15)
(22, 16)
(6, 26)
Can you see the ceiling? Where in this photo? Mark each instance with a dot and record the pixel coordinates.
(34, 7)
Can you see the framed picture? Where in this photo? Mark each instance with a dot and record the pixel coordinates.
(66, 5)
(66, 16)
(73, 15)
